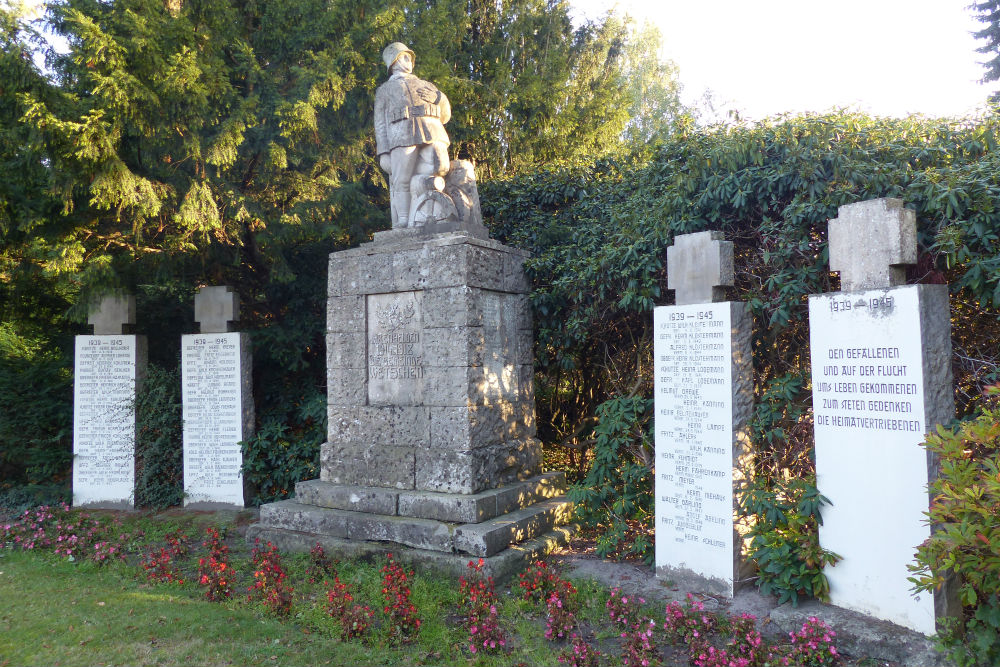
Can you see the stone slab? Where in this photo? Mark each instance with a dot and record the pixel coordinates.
(474, 508)
(490, 537)
(218, 413)
(360, 526)
(376, 500)
(881, 377)
(703, 399)
(501, 566)
(452, 508)
(292, 515)
(107, 371)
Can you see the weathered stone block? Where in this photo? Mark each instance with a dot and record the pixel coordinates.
(466, 428)
(514, 278)
(524, 346)
(371, 465)
(494, 382)
(454, 346)
(524, 494)
(342, 424)
(375, 274)
(451, 386)
(346, 386)
(485, 267)
(353, 498)
(395, 425)
(292, 515)
(345, 350)
(342, 277)
(477, 507)
(410, 269)
(526, 383)
(419, 533)
(466, 264)
(345, 314)
(491, 537)
(473, 471)
(452, 307)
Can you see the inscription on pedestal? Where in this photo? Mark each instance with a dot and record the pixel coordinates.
(395, 349)
(104, 419)
(499, 314)
(212, 385)
(694, 439)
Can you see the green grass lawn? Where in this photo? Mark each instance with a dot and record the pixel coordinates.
(63, 613)
(59, 609)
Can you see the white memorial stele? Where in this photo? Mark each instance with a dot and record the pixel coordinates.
(217, 402)
(881, 378)
(108, 367)
(703, 394)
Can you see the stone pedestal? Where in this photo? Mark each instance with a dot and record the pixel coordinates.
(216, 387)
(703, 397)
(107, 372)
(431, 447)
(881, 376)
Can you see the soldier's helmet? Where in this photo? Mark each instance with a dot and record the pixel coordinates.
(393, 51)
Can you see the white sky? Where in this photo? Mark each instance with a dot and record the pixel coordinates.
(764, 57)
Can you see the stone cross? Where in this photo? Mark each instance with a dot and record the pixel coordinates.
(112, 314)
(215, 308)
(871, 243)
(699, 266)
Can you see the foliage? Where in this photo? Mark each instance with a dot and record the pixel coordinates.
(811, 646)
(598, 232)
(784, 537)
(159, 449)
(624, 610)
(269, 580)
(540, 581)
(580, 654)
(617, 491)
(214, 572)
(309, 627)
(282, 453)
(988, 13)
(401, 614)
(560, 621)
(639, 648)
(478, 603)
(354, 619)
(36, 425)
(960, 556)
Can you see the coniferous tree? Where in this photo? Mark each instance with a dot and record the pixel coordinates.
(988, 13)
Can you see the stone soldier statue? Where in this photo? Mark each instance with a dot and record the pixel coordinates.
(410, 138)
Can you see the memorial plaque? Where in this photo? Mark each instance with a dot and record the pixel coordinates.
(499, 314)
(395, 349)
(701, 400)
(868, 377)
(215, 388)
(105, 373)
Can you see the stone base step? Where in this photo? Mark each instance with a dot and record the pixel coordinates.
(500, 566)
(475, 539)
(450, 507)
